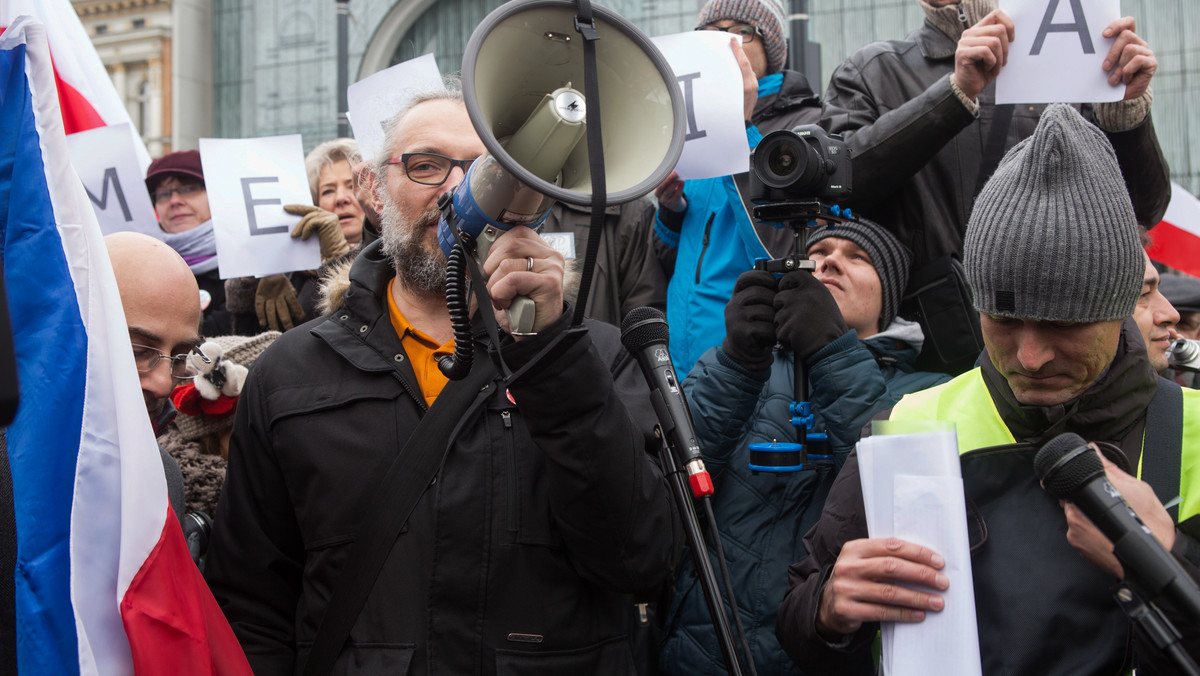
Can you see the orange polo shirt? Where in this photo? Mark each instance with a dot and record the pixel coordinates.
(422, 351)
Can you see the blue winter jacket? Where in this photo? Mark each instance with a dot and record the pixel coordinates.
(717, 241)
(763, 517)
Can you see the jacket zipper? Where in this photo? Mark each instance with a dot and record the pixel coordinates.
(962, 17)
(704, 244)
(506, 418)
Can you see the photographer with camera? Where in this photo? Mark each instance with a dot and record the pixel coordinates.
(704, 234)
(840, 321)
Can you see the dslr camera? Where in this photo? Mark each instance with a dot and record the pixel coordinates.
(803, 163)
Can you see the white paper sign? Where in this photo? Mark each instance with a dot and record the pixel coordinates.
(1057, 52)
(375, 99)
(249, 181)
(912, 489)
(106, 160)
(711, 81)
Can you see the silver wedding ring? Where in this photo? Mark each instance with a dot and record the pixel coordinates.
(529, 264)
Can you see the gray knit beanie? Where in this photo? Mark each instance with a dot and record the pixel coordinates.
(891, 259)
(767, 15)
(240, 350)
(1052, 236)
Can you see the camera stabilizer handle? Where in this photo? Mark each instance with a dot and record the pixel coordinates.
(776, 457)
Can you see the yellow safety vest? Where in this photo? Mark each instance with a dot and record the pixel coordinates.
(966, 401)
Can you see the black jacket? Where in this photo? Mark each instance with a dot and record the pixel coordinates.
(544, 518)
(627, 274)
(916, 150)
(1041, 608)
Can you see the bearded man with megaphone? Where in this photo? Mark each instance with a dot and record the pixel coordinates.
(379, 517)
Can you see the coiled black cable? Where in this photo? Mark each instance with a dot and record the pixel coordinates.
(458, 365)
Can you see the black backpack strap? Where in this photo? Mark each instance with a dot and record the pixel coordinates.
(993, 148)
(412, 471)
(1162, 447)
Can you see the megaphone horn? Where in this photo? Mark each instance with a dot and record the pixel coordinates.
(526, 56)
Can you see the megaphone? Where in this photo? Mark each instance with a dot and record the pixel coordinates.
(523, 85)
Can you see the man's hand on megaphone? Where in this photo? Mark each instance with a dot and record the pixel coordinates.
(749, 80)
(521, 263)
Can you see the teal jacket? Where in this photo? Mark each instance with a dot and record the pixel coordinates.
(715, 239)
(763, 517)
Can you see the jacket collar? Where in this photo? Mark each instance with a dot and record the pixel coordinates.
(1107, 411)
(933, 43)
(795, 91)
(361, 330)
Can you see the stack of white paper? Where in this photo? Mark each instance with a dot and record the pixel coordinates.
(912, 489)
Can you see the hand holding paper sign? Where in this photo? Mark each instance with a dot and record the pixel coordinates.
(982, 52)
(670, 193)
(326, 226)
(870, 583)
(749, 79)
(1130, 60)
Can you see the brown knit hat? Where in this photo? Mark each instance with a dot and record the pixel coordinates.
(767, 15)
(238, 351)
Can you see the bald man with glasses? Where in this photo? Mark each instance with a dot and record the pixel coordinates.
(162, 310)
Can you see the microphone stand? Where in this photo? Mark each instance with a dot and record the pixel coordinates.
(704, 569)
(1154, 624)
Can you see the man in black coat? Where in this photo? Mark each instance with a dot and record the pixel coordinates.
(924, 131)
(546, 516)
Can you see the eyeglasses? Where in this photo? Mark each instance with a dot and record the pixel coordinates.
(429, 168)
(185, 191)
(743, 30)
(147, 359)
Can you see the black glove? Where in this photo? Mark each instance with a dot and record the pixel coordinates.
(807, 317)
(750, 320)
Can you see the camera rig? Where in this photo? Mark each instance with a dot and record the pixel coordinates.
(795, 177)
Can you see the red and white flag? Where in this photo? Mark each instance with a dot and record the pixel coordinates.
(1176, 239)
(104, 583)
(86, 95)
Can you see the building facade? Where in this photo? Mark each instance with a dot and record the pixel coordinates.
(159, 56)
(246, 68)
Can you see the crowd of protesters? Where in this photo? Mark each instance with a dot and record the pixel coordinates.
(369, 514)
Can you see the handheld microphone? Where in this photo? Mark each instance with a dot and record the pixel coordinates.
(1069, 470)
(644, 333)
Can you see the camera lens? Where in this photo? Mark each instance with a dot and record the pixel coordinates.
(781, 160)
(785, 160)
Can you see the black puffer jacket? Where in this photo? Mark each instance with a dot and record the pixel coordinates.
(916, 150)
(544, 518)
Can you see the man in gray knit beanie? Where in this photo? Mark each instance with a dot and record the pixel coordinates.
(1053, 257)
(1053, 238)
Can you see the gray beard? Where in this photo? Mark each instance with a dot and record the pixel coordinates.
(420, 268)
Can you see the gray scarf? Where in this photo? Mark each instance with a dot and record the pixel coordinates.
(198, 247)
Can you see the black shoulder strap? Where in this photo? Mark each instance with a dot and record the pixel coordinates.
(406, 479)
(993, 150)
(1162, 447)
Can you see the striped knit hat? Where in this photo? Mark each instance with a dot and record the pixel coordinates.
(1052, 236)
(767, 15)
(890, 257)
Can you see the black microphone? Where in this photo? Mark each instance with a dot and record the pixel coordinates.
(644, 334)
(1069, 470)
